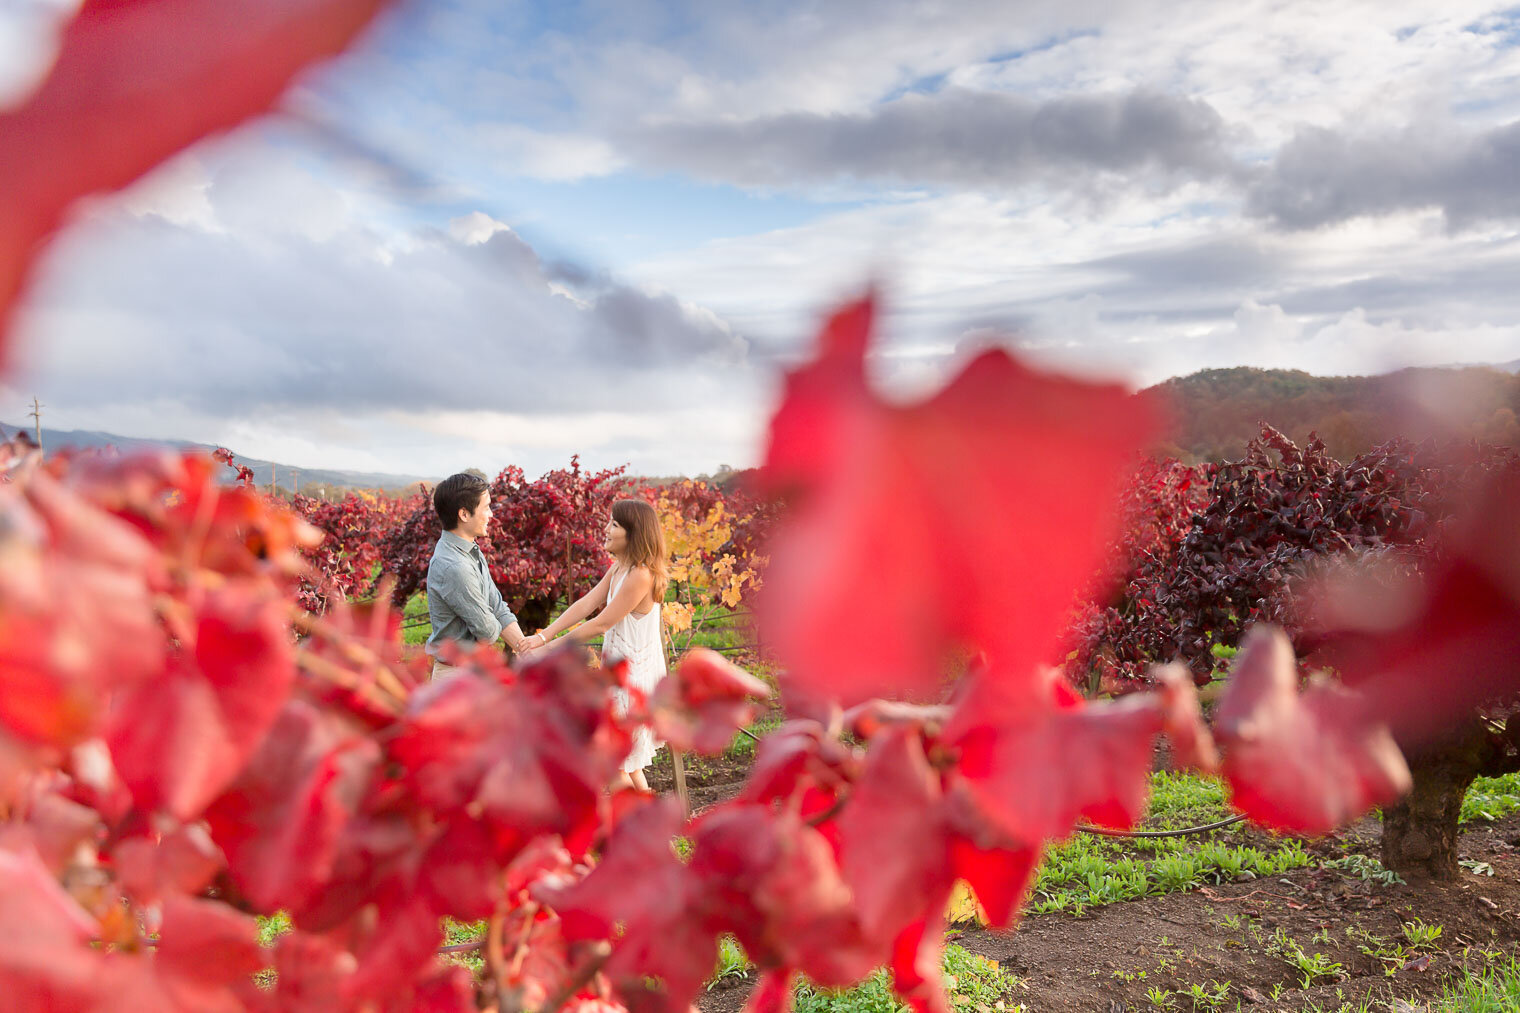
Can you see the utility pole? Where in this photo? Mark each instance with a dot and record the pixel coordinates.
(295, 482)
(37, 419)
(274, 486)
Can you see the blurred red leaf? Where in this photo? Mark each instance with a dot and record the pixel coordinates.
(136, 81)
(206, 950)
(970, 518)
(700, 705)
(772, 881)
(525, 759)
(797, 755)
(1428, 650)
(280, 822)
(179, 742)
(76, 613)
(1034, 774)
(665, 950)
(182, 861)
(1000, 876)
(917, 960)
(43, 962)
(772, 994)
(893, 839)
(1301, 763)
(447, 990)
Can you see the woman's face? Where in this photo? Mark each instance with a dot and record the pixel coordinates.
(617, 538)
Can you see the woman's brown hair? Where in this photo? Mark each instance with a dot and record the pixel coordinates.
(646, 542)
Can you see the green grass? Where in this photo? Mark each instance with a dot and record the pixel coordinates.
(973, 982)
(273, 927)
(1088, 871)
(1493, 988)
(743, 745)
(1367, 868)
(455, 933)
(270, 928)
(1491, 798)
(416, 609)
(732, 963)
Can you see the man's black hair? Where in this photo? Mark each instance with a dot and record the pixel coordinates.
(456, 493)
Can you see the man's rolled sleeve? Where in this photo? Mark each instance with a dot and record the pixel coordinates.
(498, 606)
(483, 624)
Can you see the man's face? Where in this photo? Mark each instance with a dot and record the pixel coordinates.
(473, 524)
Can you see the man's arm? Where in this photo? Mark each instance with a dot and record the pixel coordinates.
(467, 605)
(503, 614)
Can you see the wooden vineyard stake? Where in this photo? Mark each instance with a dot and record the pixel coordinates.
(678, 764)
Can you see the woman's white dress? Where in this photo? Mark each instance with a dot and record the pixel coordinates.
(636, 638)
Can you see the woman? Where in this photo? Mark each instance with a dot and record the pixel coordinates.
(629, 596)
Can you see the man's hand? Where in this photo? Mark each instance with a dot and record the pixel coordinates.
(513, 635)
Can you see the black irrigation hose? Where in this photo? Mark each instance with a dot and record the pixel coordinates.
(1084, 828)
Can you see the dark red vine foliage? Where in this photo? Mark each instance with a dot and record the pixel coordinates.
(544, 540)
(1250, 531)
(344, 561)
(1156, 509)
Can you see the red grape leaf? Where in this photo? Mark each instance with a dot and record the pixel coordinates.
(773, 882)
(44, 962)
(446, 990)
(772, 994)
(1000, 876)
(893, 837)
(310, 970)
(178, 743)
(458, 871)
(1427, 651)
(1034, 774)
(522, 758)
(1302, 763)
(76, 610)
(183, 861)
(917, 960)
(665, 950)
(57, 828)
(206, 950)
(281, 821)
(699, 706)
(796, 755)
(397, 937)
(968, 519)
(136, 81)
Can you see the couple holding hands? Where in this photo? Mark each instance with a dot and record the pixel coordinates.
(465, 605)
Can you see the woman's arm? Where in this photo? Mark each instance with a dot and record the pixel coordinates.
(636, 588)
(583, 607)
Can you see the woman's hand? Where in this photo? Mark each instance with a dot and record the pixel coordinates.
(531, 644)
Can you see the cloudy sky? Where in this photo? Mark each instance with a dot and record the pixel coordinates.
(507, 232)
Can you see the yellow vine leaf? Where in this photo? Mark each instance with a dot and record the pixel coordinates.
(964, 907)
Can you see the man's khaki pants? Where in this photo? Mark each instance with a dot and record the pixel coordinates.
(440, 670)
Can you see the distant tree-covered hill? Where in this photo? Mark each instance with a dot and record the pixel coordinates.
(1218, 410)
(267, 474)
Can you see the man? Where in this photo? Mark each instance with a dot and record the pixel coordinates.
(464, 604)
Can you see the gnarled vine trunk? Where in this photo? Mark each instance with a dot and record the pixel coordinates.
(1420, 831)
